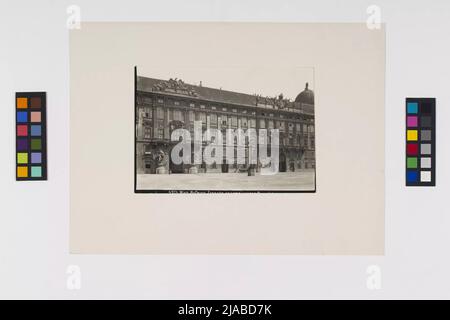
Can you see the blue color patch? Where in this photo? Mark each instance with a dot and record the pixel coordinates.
(22, 116)
(412, 107)
(412, 176)
(36, 130)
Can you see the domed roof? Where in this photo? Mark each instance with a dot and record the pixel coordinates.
(306, 96)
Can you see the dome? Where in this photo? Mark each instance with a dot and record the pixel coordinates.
(306, 96)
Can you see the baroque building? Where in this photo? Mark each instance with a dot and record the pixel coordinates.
(165, 105)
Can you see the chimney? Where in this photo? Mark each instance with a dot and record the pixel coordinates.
(200, 83)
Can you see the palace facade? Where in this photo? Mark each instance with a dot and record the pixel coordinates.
(165, 105)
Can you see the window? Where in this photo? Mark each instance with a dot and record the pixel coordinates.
(243, 122)
(147, 112)
(160, 133)
(252, 123)
(192, 105)
(234, 110)
(234, 121)
(291, 127)
(178, 115)
(262, 124)
(213, 108)
(213, 119)
(297, 127)
(147, 132)
(224, 109)
(177, 103)
(191, 115)
(147, 100)
(202, 106)
(160, 101)
(160, 126)
(201, 116)
(160, 113)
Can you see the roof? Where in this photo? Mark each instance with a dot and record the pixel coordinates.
(306, 96)
(176, 87)
(206, 93)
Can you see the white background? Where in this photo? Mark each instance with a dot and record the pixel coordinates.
(34, 232)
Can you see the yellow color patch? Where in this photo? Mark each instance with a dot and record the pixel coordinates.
(411, 135)
(22, 172)
(22, 103)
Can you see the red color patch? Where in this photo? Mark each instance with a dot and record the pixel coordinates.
(412, 149)
(22, 130)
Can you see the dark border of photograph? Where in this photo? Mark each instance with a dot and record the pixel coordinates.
(197, 191)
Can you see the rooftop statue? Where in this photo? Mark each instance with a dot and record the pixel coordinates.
(174, 85)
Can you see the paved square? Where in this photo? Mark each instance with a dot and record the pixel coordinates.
(289, 181)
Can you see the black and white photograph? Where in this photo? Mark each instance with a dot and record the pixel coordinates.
(196, 135)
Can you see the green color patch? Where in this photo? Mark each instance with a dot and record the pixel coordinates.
(411, 163)
(36, 144)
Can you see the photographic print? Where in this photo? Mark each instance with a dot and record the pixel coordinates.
(193, 137)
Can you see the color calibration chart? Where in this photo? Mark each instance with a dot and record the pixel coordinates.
(31, 144)
(420, 141)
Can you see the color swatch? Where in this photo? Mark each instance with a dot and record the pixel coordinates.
(420, 141)
(31, 140)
